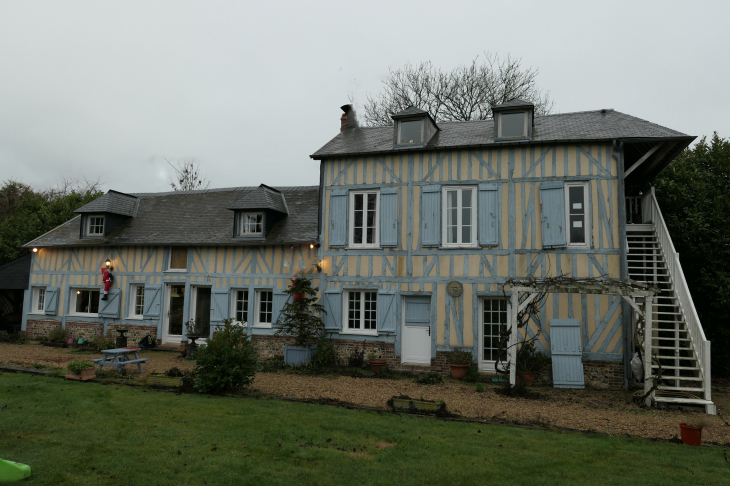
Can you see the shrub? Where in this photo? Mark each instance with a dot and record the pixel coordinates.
(356, 359)
(228, 362)
(58, 335)
(460, 357)
(325, 354)
(98, 344)
(479, 388)
(472, 374)
(430, 379)
(78, 366)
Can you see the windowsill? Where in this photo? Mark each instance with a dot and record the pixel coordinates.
(136, 318)
(262, 326)
(364, 247)
(176, 270)
(82, 314)
(37, 313)
(579, 246)
(359, 332)
(457, 247)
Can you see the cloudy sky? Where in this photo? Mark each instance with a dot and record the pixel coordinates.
(249, 90)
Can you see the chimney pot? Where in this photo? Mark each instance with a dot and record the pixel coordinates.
(348, 119)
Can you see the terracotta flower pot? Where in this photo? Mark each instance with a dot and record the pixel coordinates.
(690, 435)
(529, 377)
(87, 374)
(458, 371)
(376, 365)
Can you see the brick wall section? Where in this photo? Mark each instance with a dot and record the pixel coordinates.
(41, 328)
(84, 330)
(88, 330)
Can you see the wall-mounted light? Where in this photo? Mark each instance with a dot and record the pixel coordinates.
(78, 292)
(35, 250)
(108, 263)
(311, 245)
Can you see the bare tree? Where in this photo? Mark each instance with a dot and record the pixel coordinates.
(187, 176)
(465, 93)
(68, 186)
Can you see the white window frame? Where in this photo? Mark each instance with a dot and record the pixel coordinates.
(243, 234)
(72, 301)
(257, 317)
(586, 213)
(34, 303)
(132, 309)
(488, 366)
(444, 217)
(87, 229)
(423, 129)
(351, 223)
(346, 314)
(234, 305)
(524, 129)
(169, 260)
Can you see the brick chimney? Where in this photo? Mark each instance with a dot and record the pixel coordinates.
(348, 118)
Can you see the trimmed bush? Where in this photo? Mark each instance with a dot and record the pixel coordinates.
(227, 363)
(58, 335)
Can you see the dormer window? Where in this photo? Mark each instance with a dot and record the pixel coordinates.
(95, 225)
(513, 124)
(251, 224)
(410, 132)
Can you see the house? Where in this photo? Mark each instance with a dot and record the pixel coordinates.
(410, 236)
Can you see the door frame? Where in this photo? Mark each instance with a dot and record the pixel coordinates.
(403, 330)
(166, 337)
(194, 306)
(487, 366)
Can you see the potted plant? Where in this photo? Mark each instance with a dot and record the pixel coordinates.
(122, 339)
(81, 370)
(300, 318)
(459, 362)
(529, 362)
(691, 433)
(376, 364)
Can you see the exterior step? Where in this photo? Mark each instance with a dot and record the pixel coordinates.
(680, 388)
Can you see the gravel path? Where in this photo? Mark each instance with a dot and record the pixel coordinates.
(609, 412)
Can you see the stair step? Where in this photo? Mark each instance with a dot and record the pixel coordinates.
(674, 348)
(679, 388)
(687, 368)
(688, 401)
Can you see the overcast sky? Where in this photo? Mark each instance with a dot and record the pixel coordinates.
(251, 89)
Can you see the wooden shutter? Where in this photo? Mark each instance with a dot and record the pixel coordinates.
(488, 214)
(338, 218)
(386, 312)
(552, 200)
(333, 306)
(565, 348)
(418, 311)
(51, 302)
(110, 306)
(389, 216)
(152, 300)
(219, 307)
(280, 299)
(431, 216)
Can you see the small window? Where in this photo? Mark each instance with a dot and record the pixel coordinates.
(265, 307)
(178, 258)
(251, 224)
(410, 132)
(95, 225)
(459, 216)
(136, 301)
(364, 218)
(513, 125)
(577, 214)
(39, 300)
(362, 312)
(240, 305)
(85, 301)
(494, 323)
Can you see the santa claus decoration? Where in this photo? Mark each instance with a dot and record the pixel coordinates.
(107, 278)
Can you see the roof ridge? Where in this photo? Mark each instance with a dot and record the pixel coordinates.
(217, 189)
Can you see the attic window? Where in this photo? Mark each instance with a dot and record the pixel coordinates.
(251, 224)
(95, 225)
(513, 124)
(410, 132)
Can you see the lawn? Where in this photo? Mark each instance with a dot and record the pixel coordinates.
(88, 433)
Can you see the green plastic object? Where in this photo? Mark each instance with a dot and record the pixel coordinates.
(82, 340)
(13, 471)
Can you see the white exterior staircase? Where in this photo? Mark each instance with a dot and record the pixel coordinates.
(677, 338)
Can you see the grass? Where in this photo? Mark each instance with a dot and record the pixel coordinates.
(91, 434)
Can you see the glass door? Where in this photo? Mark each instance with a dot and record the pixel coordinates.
(202, 311)
(175, 308)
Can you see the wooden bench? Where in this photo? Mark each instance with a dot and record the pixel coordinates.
(119, 358)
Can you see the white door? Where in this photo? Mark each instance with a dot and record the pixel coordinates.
(416, 336)
(172, 322)
(494, 315)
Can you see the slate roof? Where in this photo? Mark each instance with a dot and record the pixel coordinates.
(263, 197)
(594, 126)
(112, 202)
(196, 218)
(513, 103)
(410, 111)
(15, 274)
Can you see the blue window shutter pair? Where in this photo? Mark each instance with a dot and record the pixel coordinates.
(431, 216)
(110, 306)
(333, 307)
(219, 307)
(51, 303)
(338, 218)
(552, 199)
(152, 300)
(386, 312)
(338, 223)
(280, 299)
(488, 214)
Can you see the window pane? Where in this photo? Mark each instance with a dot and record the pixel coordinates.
(371, 201)
(139, 300)
(466, 198)
(575, 198)
(466, 234)
(242, 306)
(577, 229)
(179, 257)
(410, 131)
(41, 299)
(370, 317)
(353, 318)
(358, 202)
(266, 299)
(512, 124)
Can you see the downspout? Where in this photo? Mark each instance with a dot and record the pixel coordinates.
(626, 314)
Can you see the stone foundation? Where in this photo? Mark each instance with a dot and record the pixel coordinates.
(134, 334)
(604, 374)
(84, 330)
(89, 330)
(41, 328)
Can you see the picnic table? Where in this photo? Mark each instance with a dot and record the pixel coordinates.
(120, 357)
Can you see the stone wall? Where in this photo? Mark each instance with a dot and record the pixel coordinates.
(41, 328)
(604, 374)
(84, 330)
(134, 335)
(88, 330)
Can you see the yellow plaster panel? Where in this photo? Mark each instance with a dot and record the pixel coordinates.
(467, 297)
(518, 214)
(377, 266)
(440, 314)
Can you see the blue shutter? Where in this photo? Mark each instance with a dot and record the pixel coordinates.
(418, 311)
(386, 312)
(333, 306)
(431, 216)
(280, 298)
(565, 348)
(488, 214)
(552, 200)
(110, 306)
(51, 302)
(389, 216)
(152, 300)
(219, 307)
(338, 218)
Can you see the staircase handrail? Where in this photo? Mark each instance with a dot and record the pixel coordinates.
(687, 307)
